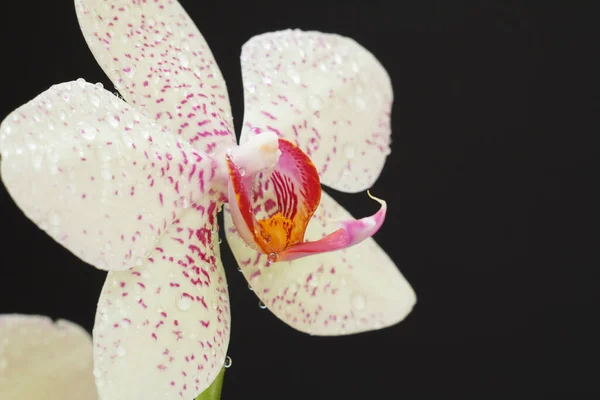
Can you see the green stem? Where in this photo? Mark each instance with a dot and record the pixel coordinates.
(213, 392)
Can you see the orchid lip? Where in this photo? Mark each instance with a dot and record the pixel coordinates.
(297, 192)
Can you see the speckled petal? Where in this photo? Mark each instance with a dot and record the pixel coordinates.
(348, 291)
(41, 359)
(160, 63)
(326, 93)
(97, 176)
(162, 329)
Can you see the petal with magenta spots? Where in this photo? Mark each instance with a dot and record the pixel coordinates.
(162, 329)
(161, 64)
(348, 291)
(328, 94)
(97, 176)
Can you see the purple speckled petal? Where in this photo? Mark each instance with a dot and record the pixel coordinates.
(42, 359)
(161, 64)
(162, 329)
(99, 177)
(348, 291)
(327, 94)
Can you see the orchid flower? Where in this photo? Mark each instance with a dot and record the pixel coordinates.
(41, 359)
(133, 185)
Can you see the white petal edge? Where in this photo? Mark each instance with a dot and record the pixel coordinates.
(162, 329)
(42, 359)
(99, 177)
(344, 292)
(160, 63)
(326, 93)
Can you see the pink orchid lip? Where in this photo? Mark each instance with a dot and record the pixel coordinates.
(351, 233)
(296, 183)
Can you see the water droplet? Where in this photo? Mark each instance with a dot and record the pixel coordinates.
(97, 372)
(113, 120)
(349, 151)
(184, 201)
(239, 269)
(272, 257)
(121, 351)
(37, 159)
(81, 82)
(242, 171)
(227, 362)
(183, 59)
(359, 88)
(54, 218)
(261, 305)
(86, 130)
(337, 58)
(355, 67)
(314, 103)
(95, 100)
(139, 261)
(250, 288)
(184, 303)
(360, 102)
(99, 85)
(250, 87)
(293, 74)
(358, 301)
(105, 173)
(293, 288)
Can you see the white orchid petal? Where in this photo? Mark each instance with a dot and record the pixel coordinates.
(161, 64)
(162, 329)
(98, 177)
(348, 291)
(326, 93)
(40, 359)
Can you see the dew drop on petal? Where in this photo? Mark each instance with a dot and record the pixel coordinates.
(294, 287)
(54, 218)
(261, 305)
(250, 288)
(228, 362)
(349, 151)
(272, 257)
(99, 85)
(314, 103)
(86, 130)
(358, 301)
(183, 60)
(184, 303)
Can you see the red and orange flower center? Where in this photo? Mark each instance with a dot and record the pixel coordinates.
(295, 189)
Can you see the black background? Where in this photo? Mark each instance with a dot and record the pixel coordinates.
(489, 186)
